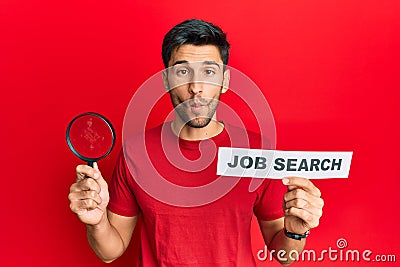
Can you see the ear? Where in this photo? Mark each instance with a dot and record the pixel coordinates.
(225, 81)
(165, 79)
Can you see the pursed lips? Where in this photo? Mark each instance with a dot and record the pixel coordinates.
(197, 106)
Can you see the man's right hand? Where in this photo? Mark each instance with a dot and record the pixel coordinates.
(89, 195)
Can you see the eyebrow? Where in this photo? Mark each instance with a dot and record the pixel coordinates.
(204, 63)
(180, 62)
(211, 63)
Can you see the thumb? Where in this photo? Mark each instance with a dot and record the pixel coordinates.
(97, 175)
(286, 182)
(95, 166)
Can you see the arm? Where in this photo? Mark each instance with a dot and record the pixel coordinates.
(276, 240)
(108, 233)
(302, 209)
(110, 238)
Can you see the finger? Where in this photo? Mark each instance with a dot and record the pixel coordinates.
(87, 184)
(84, 171)
(303, 204)
(81, 205)
(74, 188)
(90, 184)
(308, 218)
(304, 183)
(303, 195)
(292, 187)
(82, 195)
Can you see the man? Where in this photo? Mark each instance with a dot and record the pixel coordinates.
(214, 234)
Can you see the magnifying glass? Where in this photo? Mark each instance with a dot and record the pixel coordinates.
(91, 137)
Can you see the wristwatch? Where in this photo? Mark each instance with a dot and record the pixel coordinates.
(296, 236)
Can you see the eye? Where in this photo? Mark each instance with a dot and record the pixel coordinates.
(210, 72)
(182, 72)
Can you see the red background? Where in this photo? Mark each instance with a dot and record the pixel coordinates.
(329, 70)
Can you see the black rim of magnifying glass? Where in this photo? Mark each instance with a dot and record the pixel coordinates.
(90, 160)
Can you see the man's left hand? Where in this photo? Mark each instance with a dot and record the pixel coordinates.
(302, 205)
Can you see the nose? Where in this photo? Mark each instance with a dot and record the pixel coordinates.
(195, 88)
(196, 82)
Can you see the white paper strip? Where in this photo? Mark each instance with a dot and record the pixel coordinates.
(258, 163)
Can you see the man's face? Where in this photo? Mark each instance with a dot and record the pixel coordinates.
(195, 79)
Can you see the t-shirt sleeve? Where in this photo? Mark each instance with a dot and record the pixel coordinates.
(122, 199)
(270, 199)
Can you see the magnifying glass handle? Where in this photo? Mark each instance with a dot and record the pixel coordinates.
(90, 163)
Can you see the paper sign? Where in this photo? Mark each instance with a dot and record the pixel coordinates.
(276, 164)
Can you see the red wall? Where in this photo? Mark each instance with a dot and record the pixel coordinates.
(329, 69)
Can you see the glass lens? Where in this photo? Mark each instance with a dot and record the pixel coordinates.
(91, 136)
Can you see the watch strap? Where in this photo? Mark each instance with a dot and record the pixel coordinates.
(296, 236)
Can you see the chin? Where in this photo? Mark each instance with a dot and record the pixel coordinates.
(199, 123)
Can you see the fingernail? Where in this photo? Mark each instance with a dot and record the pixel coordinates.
(96, 175)
(285, 181)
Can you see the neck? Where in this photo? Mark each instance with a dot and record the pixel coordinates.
(186, 132)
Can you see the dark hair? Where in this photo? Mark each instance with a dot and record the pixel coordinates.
(195, 32)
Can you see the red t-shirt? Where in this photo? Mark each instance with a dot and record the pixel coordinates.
(177, 230)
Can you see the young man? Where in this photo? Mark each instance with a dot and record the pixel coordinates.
(214, 234)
